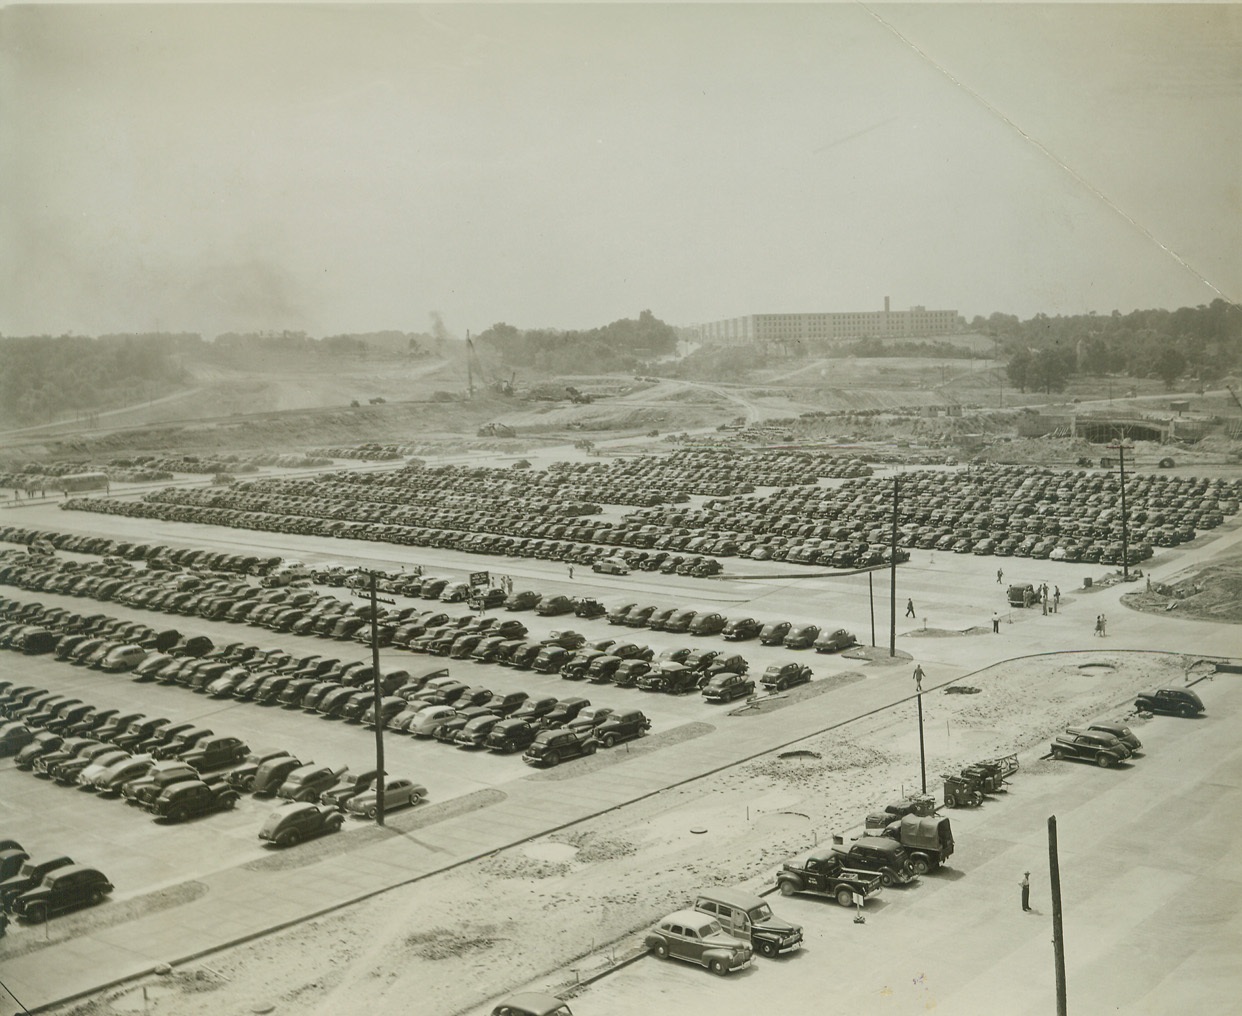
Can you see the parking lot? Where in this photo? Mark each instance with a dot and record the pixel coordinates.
(953, 596)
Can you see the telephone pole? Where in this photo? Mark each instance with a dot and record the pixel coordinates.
(376, 688)
(892, 580)
(1125, 522)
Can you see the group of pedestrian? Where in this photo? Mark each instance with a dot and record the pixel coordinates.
(1101, 625)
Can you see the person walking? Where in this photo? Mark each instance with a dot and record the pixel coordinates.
(909, 607)
(1026, 891)
(995, 623)
(1103, 626)
(571, 571)
(1043, 599)
(1000, 575)
(918, 677)
(1099, 624)
(1056, 598)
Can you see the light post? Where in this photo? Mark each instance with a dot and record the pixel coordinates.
(918, 687)
(1125, 522)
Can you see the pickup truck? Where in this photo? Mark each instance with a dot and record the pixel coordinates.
(824, 872)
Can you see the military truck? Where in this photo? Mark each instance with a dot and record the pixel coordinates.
(927, 838)
(824, 872)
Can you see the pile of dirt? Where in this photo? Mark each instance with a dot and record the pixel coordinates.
(1213, 593)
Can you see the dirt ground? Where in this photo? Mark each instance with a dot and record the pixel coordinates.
(575, 901)
(1213, 593)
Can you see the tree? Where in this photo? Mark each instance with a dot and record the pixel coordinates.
(1170, 365)
(1051, 369)
(1020, 367)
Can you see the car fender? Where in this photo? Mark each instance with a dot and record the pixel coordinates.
(715, 953)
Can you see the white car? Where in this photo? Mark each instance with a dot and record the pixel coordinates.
(425, 723)
(397, 793)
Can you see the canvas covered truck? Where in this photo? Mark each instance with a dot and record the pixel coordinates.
(928, 840)
(823, 872)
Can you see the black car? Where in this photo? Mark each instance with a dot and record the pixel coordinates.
(773, 633)
(741, 629)
(510, 735)
(621, 726)
(294, 823)
(1170, 702)
(63, 889)
(778, 677)
(30, 875)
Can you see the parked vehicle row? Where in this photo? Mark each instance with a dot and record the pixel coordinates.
(34, 890)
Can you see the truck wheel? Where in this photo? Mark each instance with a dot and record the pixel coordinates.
(976, 799)
(921, 867)
(950, 800)
(1103, 761)
(768, 949)
(661, 951)
(845, 896)
(789, 887)
(719, 968)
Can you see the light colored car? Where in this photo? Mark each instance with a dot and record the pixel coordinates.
(531, 1003)
(115, 776)
(425, 723)
(698, 938)
(397, 793)
(123, 658)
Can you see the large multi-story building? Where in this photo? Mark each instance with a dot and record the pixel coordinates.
(827, 326)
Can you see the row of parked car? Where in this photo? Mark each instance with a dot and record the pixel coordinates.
(429, 704)
(111, 751)
(34, 890)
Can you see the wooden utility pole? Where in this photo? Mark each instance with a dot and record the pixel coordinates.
(1125, 522)
(379, 725)
(1058, 938)
(892, 580)
(871, 599)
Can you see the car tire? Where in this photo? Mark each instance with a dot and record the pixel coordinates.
(588, 749)
(661, 950)
(788, 887)
(177, 815)
(96, 897)
(1058, 754)
(37, 914)
(845, 896)
(886, 879)
(719, 967)
(1188, 712)
(768, 949)
(1103, 761)
(608, 740)
(950, 800)
(373, 812)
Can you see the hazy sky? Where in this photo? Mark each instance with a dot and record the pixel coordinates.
(349, 168)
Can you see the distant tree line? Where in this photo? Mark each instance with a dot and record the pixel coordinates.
(622, 345)
(1201, 343)
(43, 377)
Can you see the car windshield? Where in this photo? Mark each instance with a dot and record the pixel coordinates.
(760, 913)
(708, 929)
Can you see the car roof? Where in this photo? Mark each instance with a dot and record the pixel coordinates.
(533, 1001)
(731, 897)
(691, 917)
